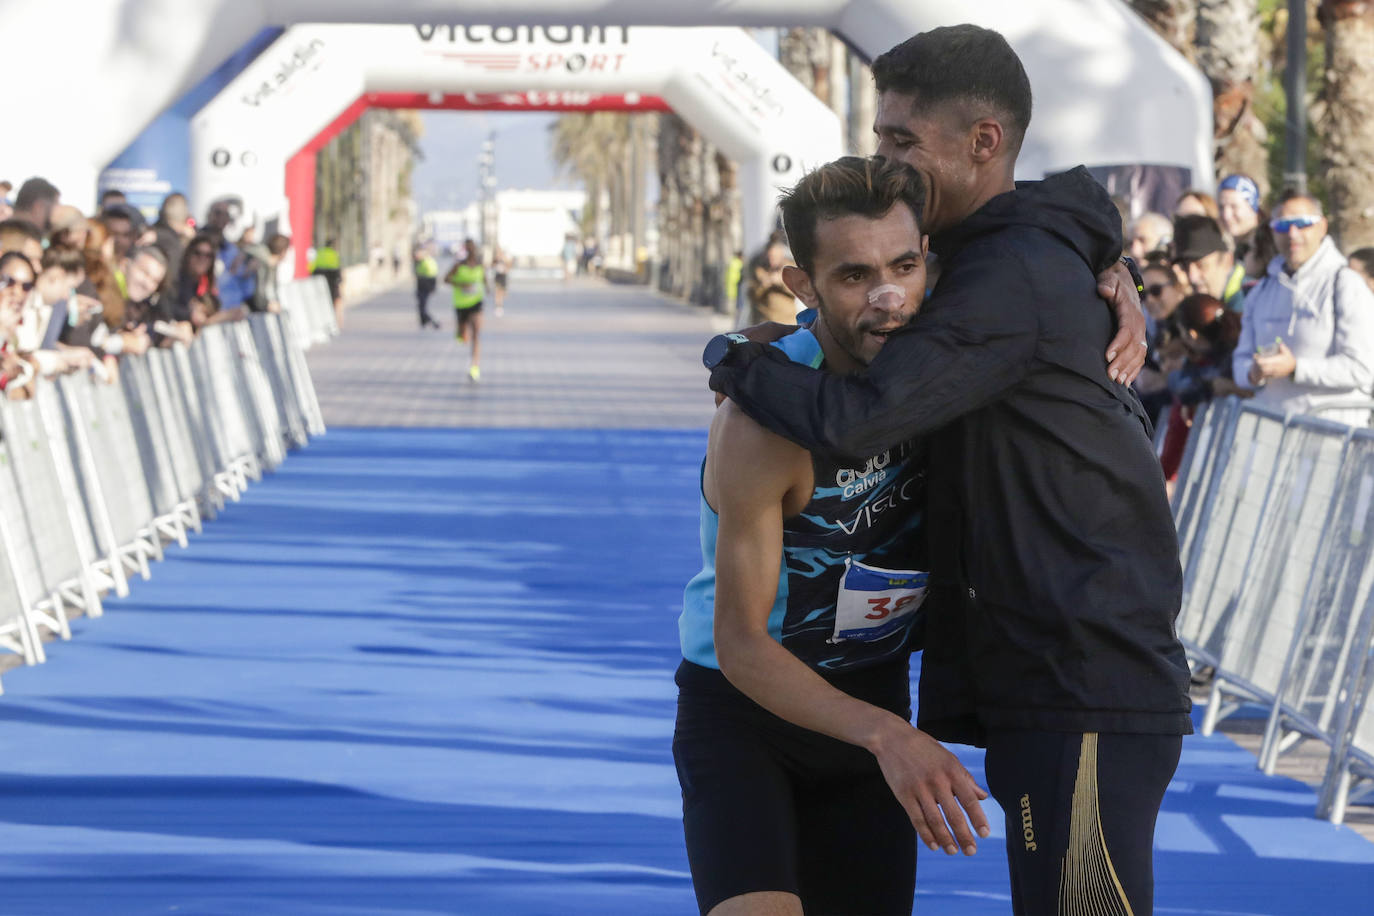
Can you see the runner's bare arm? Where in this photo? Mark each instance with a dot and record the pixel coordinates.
(750, 473)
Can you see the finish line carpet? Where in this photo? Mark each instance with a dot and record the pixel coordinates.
(431, 672)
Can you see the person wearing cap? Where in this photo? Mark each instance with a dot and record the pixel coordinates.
(1307, 340)
(1201, 252)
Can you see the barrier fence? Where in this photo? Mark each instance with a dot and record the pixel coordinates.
(1273, 516)
(96, 478)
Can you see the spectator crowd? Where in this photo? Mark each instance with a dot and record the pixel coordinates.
(1255, 303)
(79, 292)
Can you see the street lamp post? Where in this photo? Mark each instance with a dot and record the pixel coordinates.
(486, 178)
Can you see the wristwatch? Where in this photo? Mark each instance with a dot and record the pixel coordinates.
(1136, 278)
(719, 348)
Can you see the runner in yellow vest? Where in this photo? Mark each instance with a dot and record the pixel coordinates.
(328, 265)
(426, 279)
(468, 278)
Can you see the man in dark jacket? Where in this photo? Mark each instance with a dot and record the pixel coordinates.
(1052, 545)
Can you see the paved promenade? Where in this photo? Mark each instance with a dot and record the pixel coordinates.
(584, 354)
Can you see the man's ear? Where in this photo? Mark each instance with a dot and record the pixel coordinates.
(799, 282)
(925, 246)
(987, 139)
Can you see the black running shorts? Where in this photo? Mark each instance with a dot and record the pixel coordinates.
(1080, 812)
(769, 806)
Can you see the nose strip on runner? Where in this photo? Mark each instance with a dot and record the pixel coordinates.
(888, 296)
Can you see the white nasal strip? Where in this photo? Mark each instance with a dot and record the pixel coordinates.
(876, 603)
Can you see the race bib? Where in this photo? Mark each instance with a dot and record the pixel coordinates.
(875, 603)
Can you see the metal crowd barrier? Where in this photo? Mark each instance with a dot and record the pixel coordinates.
(1274, 516)
(96, 478)
(311, 309)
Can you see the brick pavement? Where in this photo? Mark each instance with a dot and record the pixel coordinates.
(586, 354)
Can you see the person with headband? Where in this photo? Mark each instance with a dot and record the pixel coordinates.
(1238, 202)
(804, 785)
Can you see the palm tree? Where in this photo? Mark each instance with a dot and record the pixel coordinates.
(1228, 52)
(1347, 125)
(1174, 20)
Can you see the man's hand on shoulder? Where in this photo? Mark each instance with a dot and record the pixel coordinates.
(1126, 353)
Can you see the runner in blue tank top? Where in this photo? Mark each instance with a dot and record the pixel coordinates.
(803, 781)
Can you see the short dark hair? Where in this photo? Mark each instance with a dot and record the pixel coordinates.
(67, 260)
(961, 63)
(110, 193)
(33, 191)
(1296, 194)
(1365, 256)
(850, 185)
(278, 243)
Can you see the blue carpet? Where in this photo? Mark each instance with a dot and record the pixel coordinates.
(430, 672)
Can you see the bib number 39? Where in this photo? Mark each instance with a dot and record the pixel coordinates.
(876, 603)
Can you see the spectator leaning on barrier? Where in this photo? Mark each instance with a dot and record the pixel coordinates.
(1308, 336)
(99, 318)
(1161, 301)
(1362, 262)
(16, 283)
(1200, 251)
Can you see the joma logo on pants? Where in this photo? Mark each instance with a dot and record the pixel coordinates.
(1027, 828)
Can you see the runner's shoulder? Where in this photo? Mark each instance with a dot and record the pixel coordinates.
(742, 450)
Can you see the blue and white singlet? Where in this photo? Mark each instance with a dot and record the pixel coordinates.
(851, 585)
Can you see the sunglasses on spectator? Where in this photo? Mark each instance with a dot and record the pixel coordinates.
(6, 282)
(1155, 289)
(201, 253)
(1284, 226)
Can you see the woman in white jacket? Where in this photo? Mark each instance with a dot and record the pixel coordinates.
(1307, 338)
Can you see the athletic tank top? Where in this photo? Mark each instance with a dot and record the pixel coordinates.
(852, 581)
(472, 275)
(427, 267)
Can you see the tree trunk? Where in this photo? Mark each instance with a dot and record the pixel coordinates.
(863, 108)
(1348, 123)
(805, 53)
(1174, 20)
(1228, 52)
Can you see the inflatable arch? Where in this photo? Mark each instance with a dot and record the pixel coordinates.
(1108, 90)
(719, 79)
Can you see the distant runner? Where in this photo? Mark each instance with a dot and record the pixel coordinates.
(469, 281)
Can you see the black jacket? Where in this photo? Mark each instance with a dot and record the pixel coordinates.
(1055, 574)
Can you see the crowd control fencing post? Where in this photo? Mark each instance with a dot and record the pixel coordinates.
(1251, 643)
(1308, 698)
(154, 450)
(19, 573)
(1227, 527)
(1205, 459)
(1350, 769)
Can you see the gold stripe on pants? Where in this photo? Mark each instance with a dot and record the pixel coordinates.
(1088, 885)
